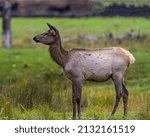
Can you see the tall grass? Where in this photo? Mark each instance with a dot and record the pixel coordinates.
(44, 100)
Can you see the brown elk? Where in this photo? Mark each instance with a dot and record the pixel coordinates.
(89, 65)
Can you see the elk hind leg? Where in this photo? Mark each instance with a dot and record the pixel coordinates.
(117, 79)
(125, 99)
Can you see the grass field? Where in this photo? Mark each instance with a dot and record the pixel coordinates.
(32, 86)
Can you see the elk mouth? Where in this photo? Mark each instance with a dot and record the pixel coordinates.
(36, 40)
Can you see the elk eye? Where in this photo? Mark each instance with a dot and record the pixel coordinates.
(46, 33)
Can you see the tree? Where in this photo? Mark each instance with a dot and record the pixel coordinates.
(6, 16)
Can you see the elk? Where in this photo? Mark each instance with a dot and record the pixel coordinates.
(97, 65)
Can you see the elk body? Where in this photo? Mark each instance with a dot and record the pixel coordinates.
(89, 65)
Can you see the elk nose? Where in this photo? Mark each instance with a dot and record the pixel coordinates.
(35, 39)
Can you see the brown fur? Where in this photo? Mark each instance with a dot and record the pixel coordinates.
(59, 55)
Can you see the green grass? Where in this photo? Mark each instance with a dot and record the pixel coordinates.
(32, 86)
(21, 63)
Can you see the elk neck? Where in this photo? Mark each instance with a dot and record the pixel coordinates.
(58, 53)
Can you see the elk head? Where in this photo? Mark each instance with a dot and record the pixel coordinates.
(49, 37)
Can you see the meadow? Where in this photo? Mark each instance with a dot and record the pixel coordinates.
(32, 86)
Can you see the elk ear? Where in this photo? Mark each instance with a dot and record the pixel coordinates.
(50, 26)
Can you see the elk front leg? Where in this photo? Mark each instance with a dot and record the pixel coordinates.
(74, 101)
(76, 97)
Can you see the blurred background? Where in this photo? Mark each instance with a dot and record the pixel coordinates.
(79, 8)
(32, 86)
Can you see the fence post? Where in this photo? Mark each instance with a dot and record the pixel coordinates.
(6, 18)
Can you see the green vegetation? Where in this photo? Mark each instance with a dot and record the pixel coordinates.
(32, 86)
